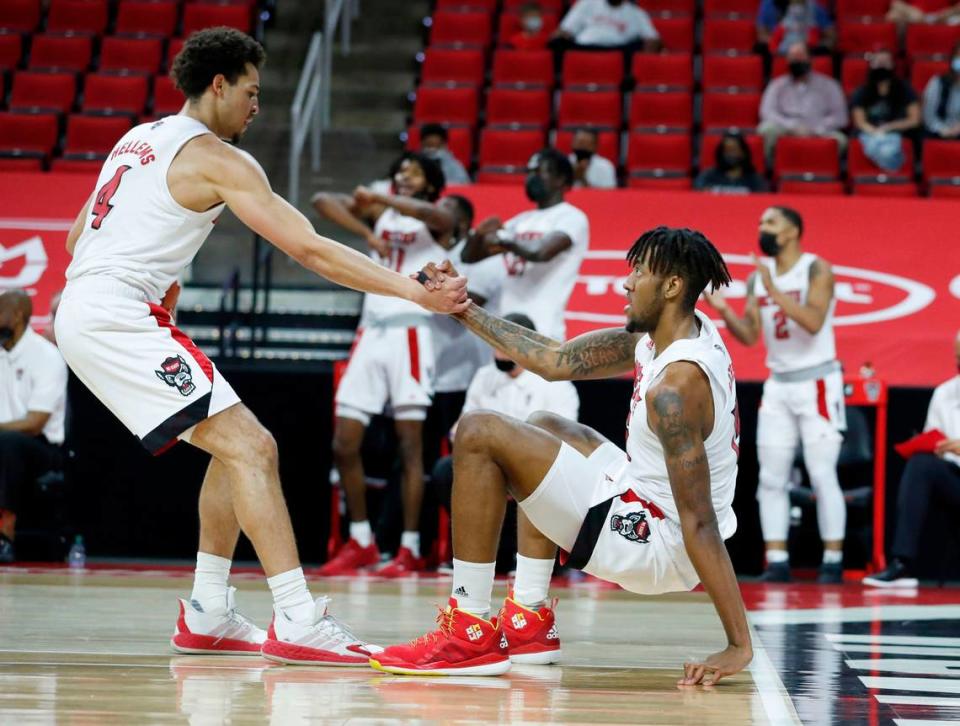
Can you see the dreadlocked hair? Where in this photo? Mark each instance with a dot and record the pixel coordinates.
(683, 252)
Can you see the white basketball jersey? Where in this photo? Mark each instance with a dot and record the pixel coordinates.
(541, 290)
(412, 246)
(136, 232)
(646, 469)
(789, 346)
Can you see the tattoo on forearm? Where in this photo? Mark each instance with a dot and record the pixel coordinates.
(672, 430)
(602, 350)
(689, 464)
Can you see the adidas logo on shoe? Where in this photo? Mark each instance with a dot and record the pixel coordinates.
(552, 634)
(461, 592)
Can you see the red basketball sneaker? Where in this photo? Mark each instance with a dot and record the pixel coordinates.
(403, 564)
(350, 558)
(531, 634)
(464, 644)
(224, 631)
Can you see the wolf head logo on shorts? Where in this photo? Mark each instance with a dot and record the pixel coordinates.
(633, 526)
(175, 371)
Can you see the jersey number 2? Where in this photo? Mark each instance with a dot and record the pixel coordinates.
(780, 331)
(101, 205)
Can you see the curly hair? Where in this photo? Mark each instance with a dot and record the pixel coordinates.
(431, 171)
(210, 52)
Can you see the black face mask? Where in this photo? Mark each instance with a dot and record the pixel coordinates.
(505, 365)
(536, 188)
(768, 244)
(582, 154)
(879, 75)
(731, 161)
(798, 69)
(6, 335)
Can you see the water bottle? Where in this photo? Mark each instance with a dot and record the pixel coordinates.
(77, 557)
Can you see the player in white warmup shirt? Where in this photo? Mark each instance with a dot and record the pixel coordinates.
(392, 361)
(652, 518)
(790, 304)
(157, 197)
(542, 248)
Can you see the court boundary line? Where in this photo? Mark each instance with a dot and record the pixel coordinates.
(774, 697)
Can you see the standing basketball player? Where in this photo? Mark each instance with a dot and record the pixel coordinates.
(392, 361)
(542, 248)
(790, 301)
(156, 200)
(652, 519)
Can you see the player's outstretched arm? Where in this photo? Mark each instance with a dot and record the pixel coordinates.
(680, 411)
(598, 354)
(745, 329)
(241, 183)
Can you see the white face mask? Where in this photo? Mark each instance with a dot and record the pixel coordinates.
(533, 23)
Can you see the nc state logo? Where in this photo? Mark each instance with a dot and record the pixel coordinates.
(633, 526)
(175, 372)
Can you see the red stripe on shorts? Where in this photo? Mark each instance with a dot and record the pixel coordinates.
(413, 345)
(163, 320)
(822, 399)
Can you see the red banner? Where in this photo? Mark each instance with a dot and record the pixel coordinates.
(896, 263)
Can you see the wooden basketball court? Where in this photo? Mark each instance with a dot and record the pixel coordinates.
(93, 646)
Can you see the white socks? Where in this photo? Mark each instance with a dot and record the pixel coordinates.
(472, 585)
(411, 540)
(775, 556)
(291, 596)
(532, 581)
(361, 532)
(210, 582)
(832, 557)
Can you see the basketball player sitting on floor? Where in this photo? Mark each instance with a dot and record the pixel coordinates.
(392, 361)
(651, 519)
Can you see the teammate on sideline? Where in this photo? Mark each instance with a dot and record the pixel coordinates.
(392, 362)
(790, 301)
(651, 519)
(156, 200)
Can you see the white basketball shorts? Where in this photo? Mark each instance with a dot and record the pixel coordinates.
(616, 534)
(807, 411)
(388, 365)
(132, 357)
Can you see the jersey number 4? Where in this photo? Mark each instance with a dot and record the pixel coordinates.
(101, 205)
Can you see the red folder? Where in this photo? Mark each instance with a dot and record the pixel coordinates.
(924, 443)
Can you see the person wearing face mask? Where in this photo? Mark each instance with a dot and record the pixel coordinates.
(733, 171)
(928, 476)
(531, 35)
(392, 361)
(33, 394)
(941, 101)
(433, 144)
(542, 248)
(505, 387)
(607, 25)
(802, 103)
(781, 23)
(790, 304)
(589, 168)
(882, 110)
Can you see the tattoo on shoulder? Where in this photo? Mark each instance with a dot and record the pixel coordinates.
(602, 350)
(672, 430)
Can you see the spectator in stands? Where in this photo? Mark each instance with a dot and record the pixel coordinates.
(941, 101)
(802, 103)
(505, 387)
(794, 21)
(883, 110)
(542, 247)
(33, 393)
(433, 143)
(733, 171)
(532, 35)
(927, 478)
(589, 168)
(607, 25)
(903, 13)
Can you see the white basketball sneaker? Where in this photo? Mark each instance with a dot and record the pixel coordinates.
(223, 630)
(325, 641)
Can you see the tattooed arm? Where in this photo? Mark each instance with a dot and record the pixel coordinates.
(680, 411)
(599, 354)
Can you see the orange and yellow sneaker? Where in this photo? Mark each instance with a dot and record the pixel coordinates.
(532, 635)
(464, 644)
